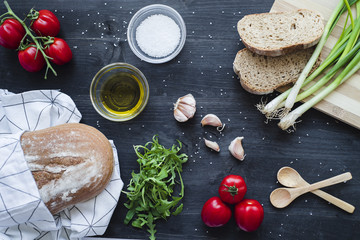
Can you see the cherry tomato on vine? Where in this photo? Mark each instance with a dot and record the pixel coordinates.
(44, 23)
(215, 213)
(249, 214)
(232, 189)
(11, 33)
(31, 59)
(59, 51)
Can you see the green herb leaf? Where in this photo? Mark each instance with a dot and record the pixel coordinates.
(178, 210)
(150, 192)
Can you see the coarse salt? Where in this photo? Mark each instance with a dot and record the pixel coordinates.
(158, 35)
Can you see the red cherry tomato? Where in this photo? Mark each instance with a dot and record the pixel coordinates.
(11, 33)
(46, 24)
(249, 214)
(59, 51)
(30, 60)
(232, 189)
(215, 213)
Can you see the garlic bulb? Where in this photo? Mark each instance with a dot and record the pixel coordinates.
(212, 120)
(236, 148)
(185, 108)
(212, 145)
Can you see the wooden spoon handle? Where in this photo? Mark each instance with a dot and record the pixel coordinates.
(334, 200)
(330, 181)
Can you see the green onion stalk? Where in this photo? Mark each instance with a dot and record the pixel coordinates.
(347, 54)
(290, 119)
(351, 49)
(331, 73)
(273, 108)
(290, 100)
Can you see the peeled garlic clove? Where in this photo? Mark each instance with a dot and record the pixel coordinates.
(212, 145)
(236, 148)
(212, 120)
(185, 108)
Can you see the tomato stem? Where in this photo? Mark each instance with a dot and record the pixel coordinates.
(33, 14)
(233, 190)
(3, 15)
(29, 33)
(47, 41)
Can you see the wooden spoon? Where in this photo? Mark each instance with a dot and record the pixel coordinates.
(289, 177)
(281, 197)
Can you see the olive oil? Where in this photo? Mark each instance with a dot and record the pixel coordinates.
(122, 94)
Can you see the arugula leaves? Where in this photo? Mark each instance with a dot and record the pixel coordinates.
(150, 192)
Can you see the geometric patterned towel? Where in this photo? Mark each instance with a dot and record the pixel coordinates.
(23, 215)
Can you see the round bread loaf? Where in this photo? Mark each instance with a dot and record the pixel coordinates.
(71, 163)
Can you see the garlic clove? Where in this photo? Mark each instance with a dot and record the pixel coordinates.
(236, 148)
(212, 120)
(179, 116)
(212, 145)
(185, 108)
(188, 100)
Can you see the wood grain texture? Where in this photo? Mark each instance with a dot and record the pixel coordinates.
(321, 147)
(344, 103)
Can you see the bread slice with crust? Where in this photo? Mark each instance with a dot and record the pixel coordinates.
(276, 34)
(262, 74)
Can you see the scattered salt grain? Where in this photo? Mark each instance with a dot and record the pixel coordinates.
(158, 35)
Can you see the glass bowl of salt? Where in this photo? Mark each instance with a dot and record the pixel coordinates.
(156, 33)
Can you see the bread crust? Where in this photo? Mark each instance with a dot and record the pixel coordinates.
(70, 163)
(283, 50)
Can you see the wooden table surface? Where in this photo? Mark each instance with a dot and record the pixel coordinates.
(321, 147)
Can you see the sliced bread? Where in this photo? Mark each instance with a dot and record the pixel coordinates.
(262, 74)
(275, 34)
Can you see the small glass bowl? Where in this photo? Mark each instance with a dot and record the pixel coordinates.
(103, 75)
(146, 12)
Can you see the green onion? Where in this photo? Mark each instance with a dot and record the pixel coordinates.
(290, 119)
(328, 75)
(274, 107)
(346, 47)
(351, 49)
(334, 18)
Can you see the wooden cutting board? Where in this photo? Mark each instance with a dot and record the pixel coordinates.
(344, 103)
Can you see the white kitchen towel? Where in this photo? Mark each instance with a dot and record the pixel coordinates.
(23, 215)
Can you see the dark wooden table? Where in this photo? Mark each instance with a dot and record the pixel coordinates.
(320, 148)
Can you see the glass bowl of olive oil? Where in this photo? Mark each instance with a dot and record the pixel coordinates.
(119, 92)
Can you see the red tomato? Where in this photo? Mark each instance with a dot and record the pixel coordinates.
(249, 214)
(30, 60)
(11, 33)
(59, 51)
(215, 213)
(46, 24)
(232, 189)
